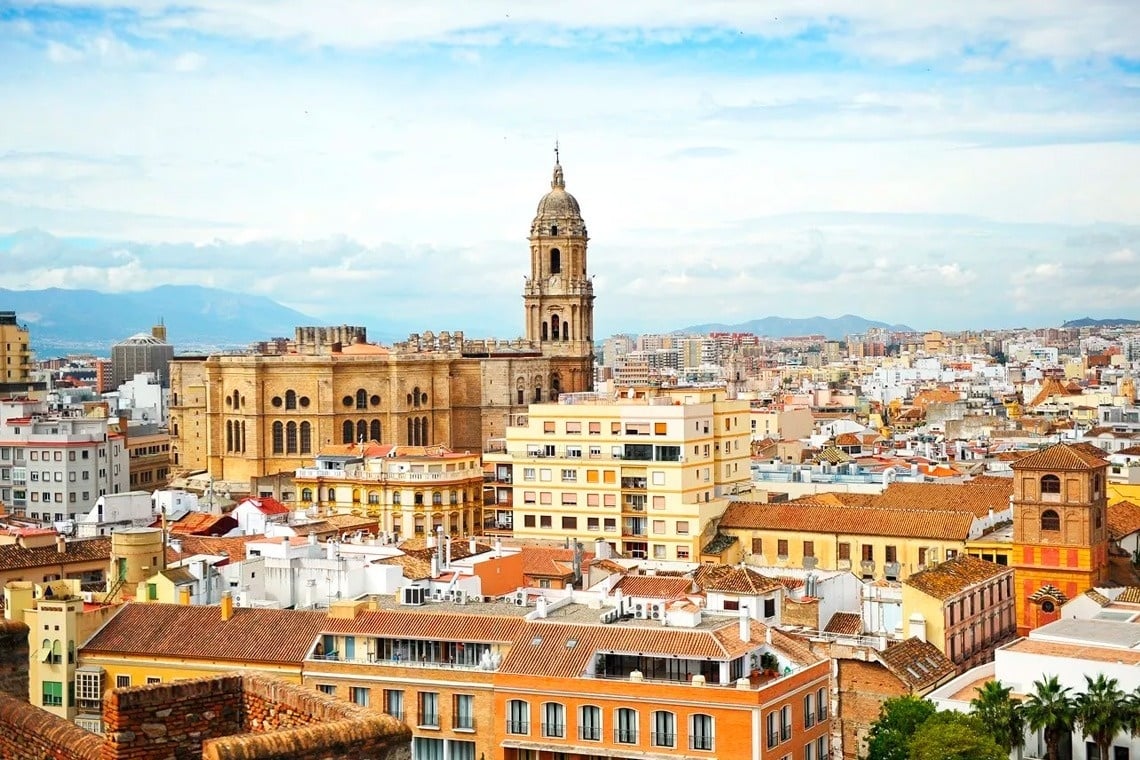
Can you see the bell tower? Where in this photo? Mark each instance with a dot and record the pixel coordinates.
(559, 294)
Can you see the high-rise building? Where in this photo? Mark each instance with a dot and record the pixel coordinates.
(646, 473)
(15, 358)
(142, 352)
(432, 389)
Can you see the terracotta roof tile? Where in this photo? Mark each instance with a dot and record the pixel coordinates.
(1098, 597)
(267, 505)
(737, 580)
(654, 586)
(1052, 387)
(1061, 456)
(801, 517)
(919, 664)
(430, 625)
(1123, 519)
(1130, 595)
(549, 561)
(199, 524)
(953, 576)
(16, 557)
(845, 623)
(414, 568)
(232, 547)
(976, 497)
(251, 635)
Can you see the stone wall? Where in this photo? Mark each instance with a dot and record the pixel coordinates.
(171, 720)
(29, 732)
(863, 686)
(14, 659)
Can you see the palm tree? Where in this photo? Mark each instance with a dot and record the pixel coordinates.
(1102, 712)
(1050, 708)
(1000, 714)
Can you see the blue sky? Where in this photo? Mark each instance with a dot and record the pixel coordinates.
(950, 165)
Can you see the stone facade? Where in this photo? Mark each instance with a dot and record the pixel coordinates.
(227, 410)
(13, 659)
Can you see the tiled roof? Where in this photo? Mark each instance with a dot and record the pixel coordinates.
(16, 557)
(549, 561)
(609, 566)
(1123, 519)
(653, 586)
(1107, 432)
(804, 517)
(232, 547)
(417, 547)
(335, 524)
(414, 568)
(832, 455)
(719, 543)
(1052, 387)
(976, 497)
(1130, 595)
(919, 664)
(1130, 451)
(1050, 592)
(847, 439)
(1098, 597)
(252, 635)
(736, 580)
(429, 625)
(199, 524)
(1060, 456)
(953, 576)
(845, 623)
(267, 505)
(179, 576)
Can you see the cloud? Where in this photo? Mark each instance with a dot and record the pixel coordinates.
(189, 62)
(703, 151)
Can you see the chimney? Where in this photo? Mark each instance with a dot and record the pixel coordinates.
(618, 601)
(471, 544)
(447, 555)
(540, 607)
(435, 566)
(916, 626)
(60, 544)
(745, 624)
(227, 605)
(498, 548)
(184, 596)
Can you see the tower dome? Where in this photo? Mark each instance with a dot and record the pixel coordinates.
(558, 206)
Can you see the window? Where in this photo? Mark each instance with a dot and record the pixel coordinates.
(664, 729)
(346, 432)
(53, 694)
(394, 703)
(327, 688)
(362, 399)
(1050, 520)
(809, 548)
(769, 608)
(845, 551)
(569, 498)
(809, 710)
(545, 521)
(518, 717)
(122, 682)
(595, 428)
(659, 428)
(153, 679)
(570, 476)
(809, 748)
(757, 546)
(291, 438)
(461, 750)
(463, 715)
(290, 399)
(868, 553)
(891, 554)
(569, 523)
(359, 695)
(574, 427)
(554, 720)
(785, 723)
(548, 426)
(821, 704)
(424, 748)
(429, 709)
(773, 731)
(682, 527)
(625, 728)
(1050, 484)
(528, 473)
(701, 731)
(374, 430)
(782, 547)
(590, 723)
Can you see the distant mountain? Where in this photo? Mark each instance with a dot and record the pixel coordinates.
(784, 327)
(195, 317)
(1110, 322)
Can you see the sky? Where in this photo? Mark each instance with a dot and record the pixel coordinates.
(944, 165)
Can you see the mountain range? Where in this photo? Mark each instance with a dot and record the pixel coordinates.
(785, 327)
(1110, 322)
(195, 317)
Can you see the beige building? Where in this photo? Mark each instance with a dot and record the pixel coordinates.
(645, 471)
(15, 357)
(249, 415)
(410, 489)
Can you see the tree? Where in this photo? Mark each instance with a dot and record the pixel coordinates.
(951, 735)
(1102, 711)
(899, 718)
(1049, 708)
(1000, 714)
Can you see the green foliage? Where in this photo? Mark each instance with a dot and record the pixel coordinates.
(1050, 709)
(1000, 714)
(950, 735)
(899, 719)
(1102, 711)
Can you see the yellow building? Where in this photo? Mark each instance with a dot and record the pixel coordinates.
(15, 357)
(410, 489)
(260, 413)
(645, 471)
(891, 535)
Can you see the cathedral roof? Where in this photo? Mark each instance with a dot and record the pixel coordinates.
(558, 205)
(1061, 456)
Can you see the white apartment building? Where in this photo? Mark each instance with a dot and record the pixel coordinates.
(54, 467)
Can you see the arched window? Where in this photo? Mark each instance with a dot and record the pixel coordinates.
(664, 729)
(411, 432)
(229, 435)
(554, 327)
(373, 497)
(538, 394)
(242, 446)
(518, 717)
(361, 430)
(237, 399)
(454, 498)
(361, 399)
(590, 723)
(374, 430)
(346, 432)
(554, 229)
(416, 396)
(306, 438)
(332, 494)
(425, 439)
(436, 498)
(290, 399)
(625, 725)
(553, 719)
(555, 261)
(545, 331)
(278, 438)
(1050, 520)
(555, 386)
(306, 494)
(1050, 484)
(291, 438)
(701, 730)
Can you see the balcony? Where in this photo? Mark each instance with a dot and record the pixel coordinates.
(463, 723)
(634, 484)
(518, 727)
(698, 741)
(590, 733)
(554, 730)
(664, 739)
(625, 736)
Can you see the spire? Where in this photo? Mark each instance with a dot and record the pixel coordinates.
(558, 183)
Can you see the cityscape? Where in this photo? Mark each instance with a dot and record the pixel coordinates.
(415, 464)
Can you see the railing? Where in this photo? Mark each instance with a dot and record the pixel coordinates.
(660, 739)
(397, 663)
(464, 722)
(625, 735)
(590, 733)
(554, 730)
(390, 477)
(518, 727)
(429, 720)
(701, 741)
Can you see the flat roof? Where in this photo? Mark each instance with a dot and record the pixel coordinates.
(1103, 633)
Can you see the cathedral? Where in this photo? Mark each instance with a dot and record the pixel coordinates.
(248, 415)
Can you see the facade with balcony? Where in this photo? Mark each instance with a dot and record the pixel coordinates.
(645, 473)
(411, 490)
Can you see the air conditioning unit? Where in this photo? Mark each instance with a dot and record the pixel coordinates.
(657, 611)
(460, 597)
(639, 611)
(437, 595)
(520, 598)
(414, 595)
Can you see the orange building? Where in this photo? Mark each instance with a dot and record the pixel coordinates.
(1060, 530)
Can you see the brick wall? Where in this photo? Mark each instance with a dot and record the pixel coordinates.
(171, 720)
(795, 612)
(863, 686)
(29, 732)
(14, 659)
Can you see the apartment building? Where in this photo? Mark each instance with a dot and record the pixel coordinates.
(508, 680)
(647, 471)
(52, 466)
(15, 357)
(411, 490)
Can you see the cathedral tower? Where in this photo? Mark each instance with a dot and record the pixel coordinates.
(559, 294)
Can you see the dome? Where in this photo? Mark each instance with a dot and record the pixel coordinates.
(558, 204)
